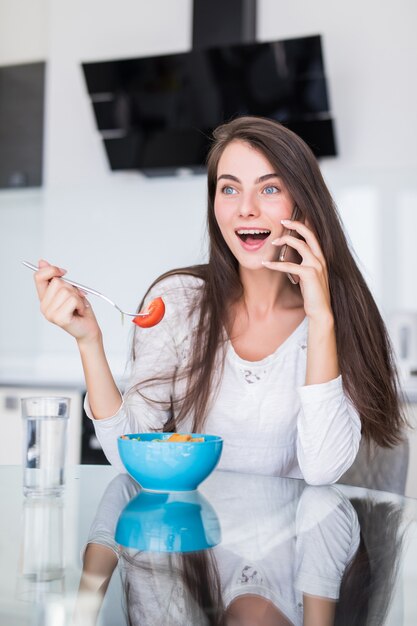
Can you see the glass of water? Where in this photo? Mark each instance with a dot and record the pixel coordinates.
(44, 445)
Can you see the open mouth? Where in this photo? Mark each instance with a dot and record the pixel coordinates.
(252, 236)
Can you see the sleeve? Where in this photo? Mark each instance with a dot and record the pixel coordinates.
(146, 402)
(327, 531)
(328, 432)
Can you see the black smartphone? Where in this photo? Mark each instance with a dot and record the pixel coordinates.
(289, 254)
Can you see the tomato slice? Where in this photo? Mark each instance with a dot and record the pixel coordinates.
(154, 312)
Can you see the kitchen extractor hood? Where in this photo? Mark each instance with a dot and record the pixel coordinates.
(156, 114)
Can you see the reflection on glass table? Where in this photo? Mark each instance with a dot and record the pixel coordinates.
(42, 559)
(242, 550)
(168, 522)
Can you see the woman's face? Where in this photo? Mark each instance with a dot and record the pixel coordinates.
(250, 202)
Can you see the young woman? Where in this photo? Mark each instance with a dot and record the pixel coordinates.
(288, 360)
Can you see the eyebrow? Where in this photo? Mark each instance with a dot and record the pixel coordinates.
(261, 179)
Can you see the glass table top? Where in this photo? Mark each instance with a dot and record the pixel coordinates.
(242, 550)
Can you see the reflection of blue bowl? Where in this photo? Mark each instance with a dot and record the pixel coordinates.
(168, 522)
(169, 466)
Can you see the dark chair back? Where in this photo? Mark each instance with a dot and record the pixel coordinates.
(384, 469)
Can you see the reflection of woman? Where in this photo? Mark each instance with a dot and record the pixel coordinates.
(274, 567)
(287, 373)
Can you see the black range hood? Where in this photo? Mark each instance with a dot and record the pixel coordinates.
(156, 114)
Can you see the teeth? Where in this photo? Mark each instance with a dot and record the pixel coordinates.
(246, 231)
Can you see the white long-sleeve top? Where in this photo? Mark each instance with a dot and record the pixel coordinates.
(270, 421)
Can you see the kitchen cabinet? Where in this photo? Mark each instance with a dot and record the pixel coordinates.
(11, 427)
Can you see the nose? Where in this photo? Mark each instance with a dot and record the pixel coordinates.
(248, 206)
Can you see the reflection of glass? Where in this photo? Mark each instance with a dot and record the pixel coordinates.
(42, 562)
(44, 445)
(171, 522)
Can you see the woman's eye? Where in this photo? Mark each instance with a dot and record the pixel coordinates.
(271, 189)
(228, 191)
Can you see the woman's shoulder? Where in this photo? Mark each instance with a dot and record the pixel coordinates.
(177, 284)
(180, 280)
(181, 290)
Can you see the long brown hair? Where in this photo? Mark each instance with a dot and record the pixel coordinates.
(195, 573)
(364, 351)
(369, 583)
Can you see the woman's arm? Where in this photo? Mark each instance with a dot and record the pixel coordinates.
(98, 567)
(100, 554)
(103, 394)
(318, 611)
(328, 426)
(328, 432)
(67, 307)
(154, 379)
(322, 359)
(327, 538)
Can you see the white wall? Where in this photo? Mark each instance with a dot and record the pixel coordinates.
(23, 39)
(23, 31)
(370, 55)
(117, 231)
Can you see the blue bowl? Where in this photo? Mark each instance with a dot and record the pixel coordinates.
(168, 522)
(169, 466)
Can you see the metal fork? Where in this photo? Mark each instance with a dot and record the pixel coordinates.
(88, 290)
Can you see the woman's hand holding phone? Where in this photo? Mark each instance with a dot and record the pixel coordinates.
(311, 273)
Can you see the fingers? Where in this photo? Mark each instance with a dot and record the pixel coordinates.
(311, 239)
(64, 309)
(56, 293)
(59, 300)
(309, 265)
(303, 271)
(302, 248)
(63, 306)
(44, 275)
